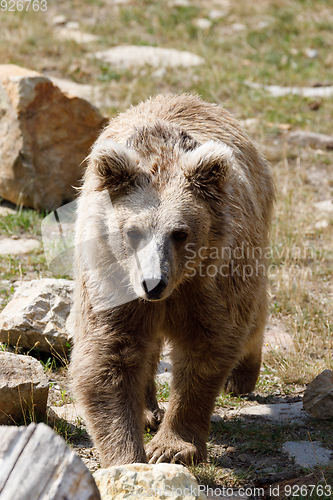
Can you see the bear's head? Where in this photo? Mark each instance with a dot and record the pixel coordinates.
(168, 198)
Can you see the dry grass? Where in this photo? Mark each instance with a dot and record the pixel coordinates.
(301, 285)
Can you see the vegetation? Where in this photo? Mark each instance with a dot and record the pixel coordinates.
(275, 42)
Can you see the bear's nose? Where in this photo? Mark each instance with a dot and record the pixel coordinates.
(154, 288)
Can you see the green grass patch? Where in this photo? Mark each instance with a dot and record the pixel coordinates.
(23, 221)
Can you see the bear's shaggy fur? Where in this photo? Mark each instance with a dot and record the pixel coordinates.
(172, 228)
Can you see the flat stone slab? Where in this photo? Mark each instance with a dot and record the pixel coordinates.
(278, 91)
(128, 56)
(307, 454)
(75, 35)
(9, 246)
(279, 412)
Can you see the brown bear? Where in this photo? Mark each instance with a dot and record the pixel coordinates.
(172, 228)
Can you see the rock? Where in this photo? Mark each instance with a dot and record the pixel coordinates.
(216, 419)
(202, 23)
(238, 27)
(9, 246)
(217, 14)
(143, 480)
(310, 53)
(36, 463)
(23, 389)
(324, 206)
(244, 458)
(92, 93)
(263, 24)
(66, 412)
(36, 316)
(321, 224)
(45, 136)
(279, 412)
(318, 396)
(312, 139)
(58, 20)
(159, 73)
(76, 35)
(6, 211)
(130, 56)
(307, 454)
(276, 337)
(73, 25)
(180, 3)
(278, 91)
(277, 489)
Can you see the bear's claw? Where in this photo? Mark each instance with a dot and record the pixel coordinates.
(176, 451)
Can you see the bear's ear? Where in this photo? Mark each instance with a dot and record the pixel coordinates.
(115, 166)
(207, 167)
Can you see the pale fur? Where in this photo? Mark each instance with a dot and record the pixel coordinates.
(215, 324)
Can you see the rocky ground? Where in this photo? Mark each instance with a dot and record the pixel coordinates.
(264, 441)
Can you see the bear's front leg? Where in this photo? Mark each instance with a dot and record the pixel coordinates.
(109, 381)
(198, 376)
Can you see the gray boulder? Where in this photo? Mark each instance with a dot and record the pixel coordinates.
(37, 464)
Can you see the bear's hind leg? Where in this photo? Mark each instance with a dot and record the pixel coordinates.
(153, 414)
(245, 375)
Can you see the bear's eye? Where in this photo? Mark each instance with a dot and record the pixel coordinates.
(179, 236)
(134, 236)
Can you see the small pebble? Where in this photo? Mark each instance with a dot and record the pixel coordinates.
(311, 53)
(217, 14)
(202, 23)
(72, 25)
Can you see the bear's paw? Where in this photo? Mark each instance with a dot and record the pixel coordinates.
(173, 449)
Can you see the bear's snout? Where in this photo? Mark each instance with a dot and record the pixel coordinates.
(154, 288)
